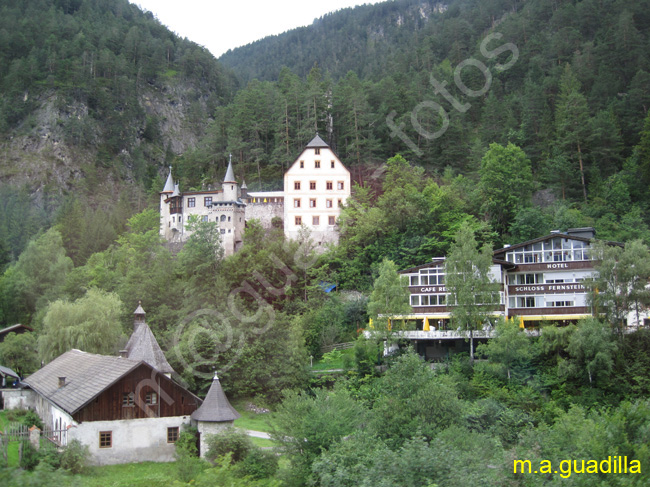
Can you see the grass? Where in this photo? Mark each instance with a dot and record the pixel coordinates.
(250, 420)
(263, 442)
(146, 474)
(12, 449)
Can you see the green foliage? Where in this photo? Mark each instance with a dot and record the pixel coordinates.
(389, 299)
(509, 348)
(75, 457)
(230, 441)
(30, 457)
(19, 353)
(259, 464)
(91, 324)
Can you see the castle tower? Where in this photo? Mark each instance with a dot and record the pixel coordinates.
(229, 185)
(214, 415)
(165, 214)
(142, 344)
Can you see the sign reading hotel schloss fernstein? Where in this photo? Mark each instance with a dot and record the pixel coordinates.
(547, 288)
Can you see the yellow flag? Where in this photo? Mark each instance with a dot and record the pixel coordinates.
(521, 322)
(426, 324)
(370, 325)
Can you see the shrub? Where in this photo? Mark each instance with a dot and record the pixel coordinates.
(50, 456)
(231, 440)
(259, 464)
(30, 456)
(186, 443)
(74, 458)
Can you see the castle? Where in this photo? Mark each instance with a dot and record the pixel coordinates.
(316, 186)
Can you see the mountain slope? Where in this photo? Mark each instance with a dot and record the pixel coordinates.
(360, 39)
(101, 85)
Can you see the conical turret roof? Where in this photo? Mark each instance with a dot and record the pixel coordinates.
(143, 346)
(230, 174)
(169, 185)
(176, 192)
(215, 407)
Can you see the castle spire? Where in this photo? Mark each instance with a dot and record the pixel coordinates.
(230, 174)
(169, 185)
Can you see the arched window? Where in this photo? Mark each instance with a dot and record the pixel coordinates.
(223, 218)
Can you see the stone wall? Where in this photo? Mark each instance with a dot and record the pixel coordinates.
(19, 399)
(264, 212)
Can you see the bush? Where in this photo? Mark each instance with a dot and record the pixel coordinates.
(231, 440)
(26, 417)
(259, 464)
(30, 456)
(50, 456)
(186, 443)
(74, 458)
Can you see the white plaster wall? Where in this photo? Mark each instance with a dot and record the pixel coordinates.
(134, 440)
(19, 398)
(209, 428)
(323, 232)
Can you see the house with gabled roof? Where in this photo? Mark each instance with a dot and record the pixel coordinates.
(142, 344)
(124, 410)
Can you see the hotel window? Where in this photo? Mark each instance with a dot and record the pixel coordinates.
(128, 399)
(340, 185)
(191, 202)
(172, 434)
(317, 164)
(298, 220)
(332, 220)
(296, 203)
(526, 302)
(415, 280)
(312, 202)
(151, 398)
(315, 220)
(317, 152)
(415, 300)
(560, 304)
(340, 203)
(105, 439)
(312, 185)
(296, 185)
(207, 201)
(328, 203)
(302, 164)
(332, 164)
(329, 185)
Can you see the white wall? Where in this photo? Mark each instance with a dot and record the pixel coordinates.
(19, 398)
(134, 440)
(209, 428)
(323, 232)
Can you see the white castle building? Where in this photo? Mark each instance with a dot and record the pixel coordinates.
(316, 186)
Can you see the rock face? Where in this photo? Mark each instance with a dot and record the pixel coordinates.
(61, 141)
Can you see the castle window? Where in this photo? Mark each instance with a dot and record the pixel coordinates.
(172, 434)
(298, 220)
(332, 220)
(317, 152)
(223, 231)
(302, 164)
(105, 439)
(332, 165)
(317, 164)
(296, 185)
(191, 202)
(296, 203)
(207, 201)
(151, 398)
(328, 203)
(223, 218)
(228, 218)
(329, 185)
(312, 202)
(204, 218)
(340, 185)
(173, 219)
(128, 399)
(315, 220)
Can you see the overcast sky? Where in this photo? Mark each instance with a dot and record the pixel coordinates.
(221, 25)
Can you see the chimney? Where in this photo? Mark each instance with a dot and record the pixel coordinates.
(61, 382)
(124, 353)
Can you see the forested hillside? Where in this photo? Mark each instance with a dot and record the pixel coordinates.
(96, 97)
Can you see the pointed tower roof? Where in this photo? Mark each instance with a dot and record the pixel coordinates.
(230, 174)
(176, 191)
(169, 185)
(317, 142)
(143, 345)
(243, 185)
(215, 407)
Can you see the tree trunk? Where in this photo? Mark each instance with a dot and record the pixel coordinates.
(471, 346)
(582, 172)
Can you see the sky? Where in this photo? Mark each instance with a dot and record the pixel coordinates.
(221, 25)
